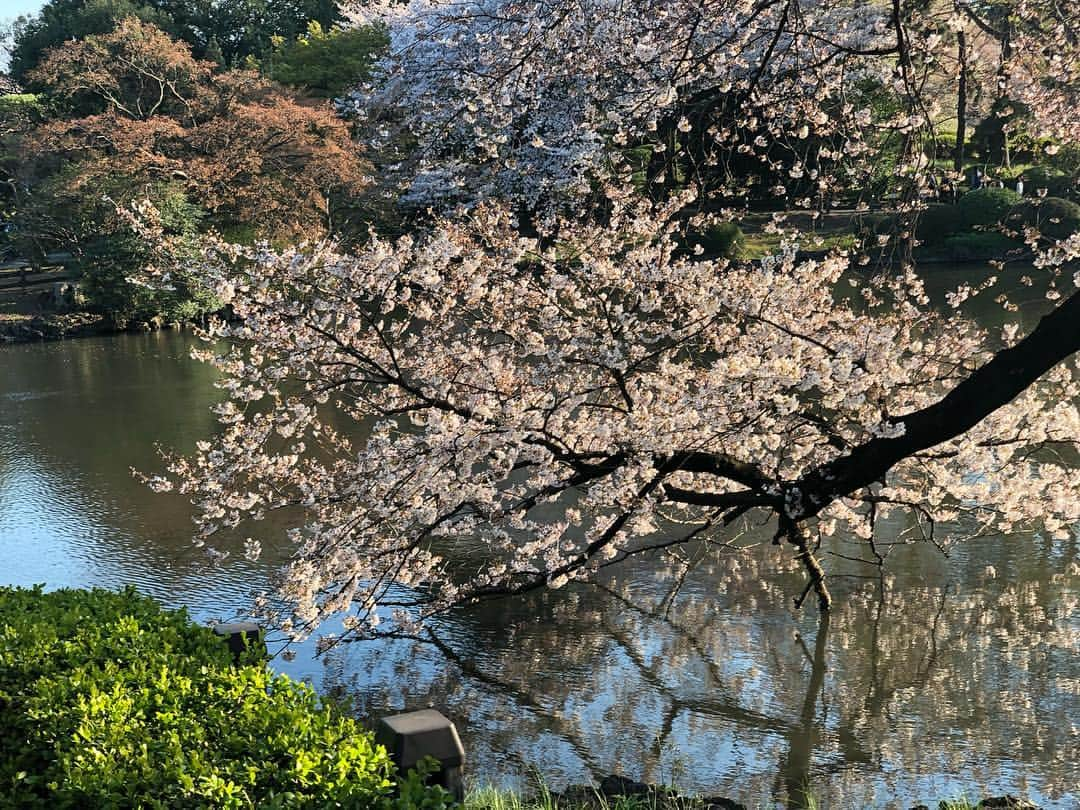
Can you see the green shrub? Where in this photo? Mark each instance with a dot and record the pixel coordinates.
(1053, 216)
(107, 700)
(1056, 182)
(966, 247)
(722, 240)
(20, 109)
(986, 207)
(637, 160)
(113, 259)
(937, 222)
(327, 63)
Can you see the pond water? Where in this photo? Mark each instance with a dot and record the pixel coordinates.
(944, 679)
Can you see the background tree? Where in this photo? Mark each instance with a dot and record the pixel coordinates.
(228, 150)
(62, 20)
(19, 114)
(326, 63)
(247, 27)
(226, 31)
(135, 70)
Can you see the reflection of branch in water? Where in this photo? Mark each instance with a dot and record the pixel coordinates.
(873, 701)
(726, 708)
(923, 677)
(878, 695)
(686, 566)
(520, 696)
(722, 708)
(665, 619)
(795, 766)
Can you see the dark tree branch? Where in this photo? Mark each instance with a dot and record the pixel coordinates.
(997, 383)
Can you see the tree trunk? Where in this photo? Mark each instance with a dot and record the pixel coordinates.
(803, 736)
(961, 103)
(1003, 92)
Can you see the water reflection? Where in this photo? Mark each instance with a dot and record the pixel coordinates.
(75, 417)
(908, 691)
(940, 680)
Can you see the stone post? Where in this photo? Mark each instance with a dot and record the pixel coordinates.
(413, 736)
(241, 636)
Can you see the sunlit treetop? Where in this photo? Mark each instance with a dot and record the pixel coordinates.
(142, 107)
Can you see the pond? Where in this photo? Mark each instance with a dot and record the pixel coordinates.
(950, 676)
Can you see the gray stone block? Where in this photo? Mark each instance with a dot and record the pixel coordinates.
(412, 736)
(241, 636)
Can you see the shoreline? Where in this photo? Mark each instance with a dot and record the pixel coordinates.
(617, 790)
(49, 327)
(40, 327)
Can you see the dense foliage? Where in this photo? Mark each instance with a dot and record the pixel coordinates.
(226, 32)
(136, 117)
(107, 700)
(326, 63)
(110, 260)
(987, 207)
(1053, 216)
(1056, 182)
(60, 21)
(937, 222)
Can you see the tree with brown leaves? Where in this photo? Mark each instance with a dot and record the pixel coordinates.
(146, 120)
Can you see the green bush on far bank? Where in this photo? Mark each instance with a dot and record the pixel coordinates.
(937, 223)
(1053, 216)
(107, 700)
(979, 246)
(987, 224)
(987, 207)
(1056, 182)
(112, 263)
(722, 240)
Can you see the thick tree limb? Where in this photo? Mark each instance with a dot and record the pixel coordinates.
(717, 464)
(992, 386)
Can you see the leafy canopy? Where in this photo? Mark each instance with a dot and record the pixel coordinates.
(228, 30)
(107, 700)
(326, 63)
(142, 120)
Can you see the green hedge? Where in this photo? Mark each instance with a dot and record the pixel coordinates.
(966, 247)
(937, 222)
(107, 700)
(986, 207)
(1056, 182)
(1053, 216)
(722, 240)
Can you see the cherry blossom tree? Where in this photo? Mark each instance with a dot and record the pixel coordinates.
(481, 409)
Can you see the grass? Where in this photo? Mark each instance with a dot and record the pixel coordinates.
(757, 245)
(491, 798)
